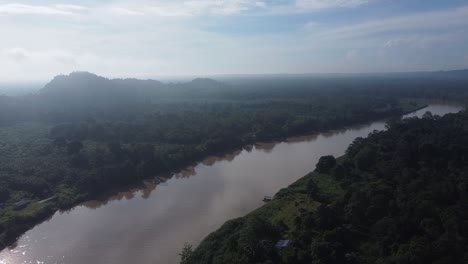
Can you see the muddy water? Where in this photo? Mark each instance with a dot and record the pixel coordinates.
(151, 224)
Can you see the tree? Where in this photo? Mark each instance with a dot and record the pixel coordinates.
(115, 148)
(4, 194)
(312, 189)
(338, 172)
(74, 147)
(325, 163)
(365, 157)
(186, 255)
(60, 142)
(427, 115)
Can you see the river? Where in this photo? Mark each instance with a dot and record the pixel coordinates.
(151, 224)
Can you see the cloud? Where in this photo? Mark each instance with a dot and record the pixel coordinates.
(311, 25)
(352, 54)
(428, 21)
(413, 41)
(396, 42)
(182, 8)
(38, 64)
(147, 38)
(325, 4)
(201, 7)
(235, 7)
(312, 6)
(24, 9)
(18, 55)
(121, 11)
(71, 7)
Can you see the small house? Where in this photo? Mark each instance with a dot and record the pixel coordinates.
(283, 244)
(267, 198)
(21, 205)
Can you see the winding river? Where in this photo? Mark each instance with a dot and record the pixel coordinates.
(151, 224)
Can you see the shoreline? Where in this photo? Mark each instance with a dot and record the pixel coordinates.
(50, 208)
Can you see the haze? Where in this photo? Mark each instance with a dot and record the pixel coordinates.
(43, 38)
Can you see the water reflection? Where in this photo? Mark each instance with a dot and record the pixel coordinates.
(265, 147)
(148, 186)
(185, 173)
(151, 222)
(249, 148)
(229, 156)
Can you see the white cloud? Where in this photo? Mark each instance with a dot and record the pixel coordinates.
(352, 54)
(145, 38)
(26, 64)
(24, 9)
(17, 55)
(121, 11)
(71, 7)
(20, 55)
(325, 4)
(395, 42)
(313, 6)
(312, 25)
(201, 7)
(429, 21)
(413, 41)
(169, 8)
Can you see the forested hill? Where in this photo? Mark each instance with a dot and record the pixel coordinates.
(399, 196)
(84, 88)
(82, 95)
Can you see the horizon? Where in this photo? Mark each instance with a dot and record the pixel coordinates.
(211, 38)
(175, 78)
(19, 88)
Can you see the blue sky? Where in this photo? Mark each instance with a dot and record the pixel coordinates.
(142, 38)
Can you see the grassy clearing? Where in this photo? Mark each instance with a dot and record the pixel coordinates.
(289, 202)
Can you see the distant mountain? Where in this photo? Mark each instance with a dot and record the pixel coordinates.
(83, 84)
(84, 88)
(204, 82)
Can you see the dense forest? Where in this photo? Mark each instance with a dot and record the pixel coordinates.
(398, 196)
(83, 134)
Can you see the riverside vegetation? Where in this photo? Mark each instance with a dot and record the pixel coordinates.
(398, 196)
(82, 134)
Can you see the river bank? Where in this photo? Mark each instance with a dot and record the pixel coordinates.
(367, 206)
(256, 173)
(16, 223)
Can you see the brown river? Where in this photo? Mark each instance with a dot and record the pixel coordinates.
(151, 224)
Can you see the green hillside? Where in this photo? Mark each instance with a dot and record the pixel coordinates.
(399, 196)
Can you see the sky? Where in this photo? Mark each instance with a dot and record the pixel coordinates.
(40, 39)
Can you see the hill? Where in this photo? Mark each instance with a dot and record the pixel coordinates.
(86, 89)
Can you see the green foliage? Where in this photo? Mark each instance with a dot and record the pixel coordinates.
(253, 240)
(325, 164)
(408, 205)
(186, 254)
(74, 141)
